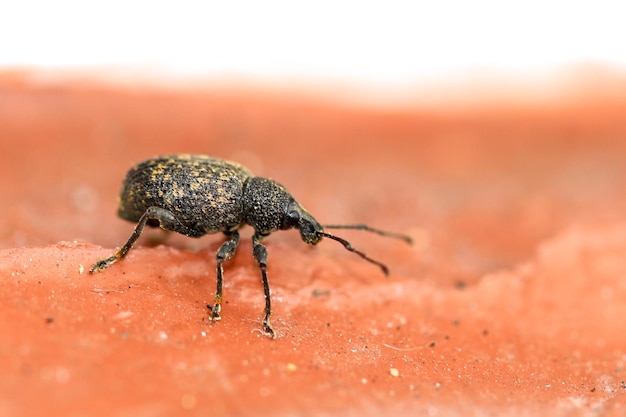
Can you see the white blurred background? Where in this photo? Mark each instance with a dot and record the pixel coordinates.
(384, 43)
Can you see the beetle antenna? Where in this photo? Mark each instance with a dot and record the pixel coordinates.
(365, 227)
(349, 247)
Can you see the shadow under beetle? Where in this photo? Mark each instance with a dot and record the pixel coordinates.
(197, 194)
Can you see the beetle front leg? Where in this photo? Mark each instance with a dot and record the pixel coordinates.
(260, 254)
(226, 251)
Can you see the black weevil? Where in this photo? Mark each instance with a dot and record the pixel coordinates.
(197, 194)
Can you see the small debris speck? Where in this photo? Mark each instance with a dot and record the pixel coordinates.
(319, 292)
(122, 315)
(394, 372)
(81, 269)
(291, 367)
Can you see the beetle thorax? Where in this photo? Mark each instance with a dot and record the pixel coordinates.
(264, 204)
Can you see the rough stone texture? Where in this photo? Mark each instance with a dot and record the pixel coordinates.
(510, 303)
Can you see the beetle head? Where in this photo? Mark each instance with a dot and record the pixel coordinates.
(297, 217)
(268, 207)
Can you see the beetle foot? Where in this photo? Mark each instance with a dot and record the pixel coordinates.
(103, 264)
(215, 312)
(267, 328)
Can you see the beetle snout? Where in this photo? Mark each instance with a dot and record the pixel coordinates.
(310, 230)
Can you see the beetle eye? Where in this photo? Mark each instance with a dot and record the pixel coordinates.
(293, 218)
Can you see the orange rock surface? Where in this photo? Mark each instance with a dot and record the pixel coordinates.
(509, 303)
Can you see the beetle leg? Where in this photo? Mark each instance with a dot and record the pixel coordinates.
(226, 251)
(260, 254)
(167, 221)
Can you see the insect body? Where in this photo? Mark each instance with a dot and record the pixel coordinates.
(196, 195)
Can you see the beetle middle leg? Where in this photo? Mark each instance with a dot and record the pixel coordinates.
(260, 254)
(225, 252)
(167, 221)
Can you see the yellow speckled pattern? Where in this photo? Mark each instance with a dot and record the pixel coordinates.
(178, 182)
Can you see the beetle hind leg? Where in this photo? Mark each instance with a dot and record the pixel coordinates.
(167, 221)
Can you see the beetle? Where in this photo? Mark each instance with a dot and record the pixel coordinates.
(197, 195)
